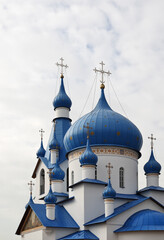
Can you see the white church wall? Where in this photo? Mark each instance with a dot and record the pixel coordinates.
(55, 233)
(93, 201)
(157, 235)
(118, 157)
(76, 206)
(100, 230)
(64, 166)
(33, 235)
(118, 202)
(37, 182)
(157, 195)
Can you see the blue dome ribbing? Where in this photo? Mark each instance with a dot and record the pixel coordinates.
(54, 143)
(50, 198)
(88, 157)
(144, 220)
(109, 192)
(152, 166)
(108, 128)
(41, 152)
(57, 173)
(62, 99)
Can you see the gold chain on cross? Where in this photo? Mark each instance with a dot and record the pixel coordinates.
(109, 166)
(152, 138)
(87, 127)
(31, 184)
(102, 73)
(41, 133)
(62, 65)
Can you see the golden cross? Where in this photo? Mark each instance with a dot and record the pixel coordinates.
(151, 140)
(61, 65)
(31, 184)
(41, 133)
(102, 72)
(109, 166)
(87, 127)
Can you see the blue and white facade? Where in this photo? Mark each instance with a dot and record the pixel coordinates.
(81, 201)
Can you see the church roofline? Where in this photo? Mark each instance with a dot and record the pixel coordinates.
(62, 220)
(151, 188)
(87, 180)
(120, 210)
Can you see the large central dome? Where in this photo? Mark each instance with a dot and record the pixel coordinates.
(107, 128)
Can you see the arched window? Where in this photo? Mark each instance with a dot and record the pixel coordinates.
(67, 179)
(121, 177)
(42, 182)
(72, 177)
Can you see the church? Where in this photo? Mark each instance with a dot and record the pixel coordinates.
(86, 181)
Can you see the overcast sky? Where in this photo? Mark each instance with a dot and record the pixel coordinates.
(127, 35)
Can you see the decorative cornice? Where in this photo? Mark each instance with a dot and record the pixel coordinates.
(105, 150)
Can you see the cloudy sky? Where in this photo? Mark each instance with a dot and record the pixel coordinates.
(127, 35)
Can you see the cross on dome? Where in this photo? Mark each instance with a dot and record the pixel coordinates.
(41, 133)
(102, 73)
(152, 138)
(30, 188)
(87, 127)
(61, 65)
(109, 166)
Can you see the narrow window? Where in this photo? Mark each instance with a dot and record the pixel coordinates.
(67, 179)
(96, 173)
(72, 177)
(121, 176)
(42, 181)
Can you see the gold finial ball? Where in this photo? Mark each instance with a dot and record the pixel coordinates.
(62, 76)
(102, 86)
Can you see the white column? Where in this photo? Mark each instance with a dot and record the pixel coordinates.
(61, 112)
(88, 171)
(50, 211)
(109, 206)
(57, 186)
(152, 179)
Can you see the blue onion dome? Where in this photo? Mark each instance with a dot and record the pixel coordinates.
(109, 128)
(62, 99)
(41, 152)
(88, 157)
(54, 143)
(50, 198)
(57, 173)
(152, 166)
(109, 192)
(144, 220)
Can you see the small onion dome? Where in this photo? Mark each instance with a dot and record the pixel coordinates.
(41, 152)
(109, 192)
(88, 157)
(50, 198)
(62, 99)
(57, 173)
(54, 143)
(109, 128)
(152, 166)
